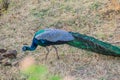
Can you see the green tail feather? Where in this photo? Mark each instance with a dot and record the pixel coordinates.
(91, 44)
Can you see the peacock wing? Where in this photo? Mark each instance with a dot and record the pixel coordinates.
(54, 35)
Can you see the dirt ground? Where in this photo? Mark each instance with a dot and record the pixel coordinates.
(96, 18)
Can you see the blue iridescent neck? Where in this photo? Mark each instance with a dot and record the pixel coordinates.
(30, 48)
(27, 48)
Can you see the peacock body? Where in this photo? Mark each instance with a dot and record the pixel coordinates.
(47, 37)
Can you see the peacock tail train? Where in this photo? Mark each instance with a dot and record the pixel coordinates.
(91, 44)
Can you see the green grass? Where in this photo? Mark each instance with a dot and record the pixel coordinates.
(95, 5)
(37, 72)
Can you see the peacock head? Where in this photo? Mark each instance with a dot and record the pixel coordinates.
(24, 48)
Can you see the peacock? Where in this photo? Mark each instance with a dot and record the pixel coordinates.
(51, 37)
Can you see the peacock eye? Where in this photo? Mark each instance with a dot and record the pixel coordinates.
(24, 48)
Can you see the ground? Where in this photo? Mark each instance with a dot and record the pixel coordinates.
(91, 17)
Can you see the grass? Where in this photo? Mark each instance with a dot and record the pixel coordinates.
(25, 17)
(115, 4)
(35, 72)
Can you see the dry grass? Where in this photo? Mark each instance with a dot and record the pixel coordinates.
(91, 17)
(116, 4)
